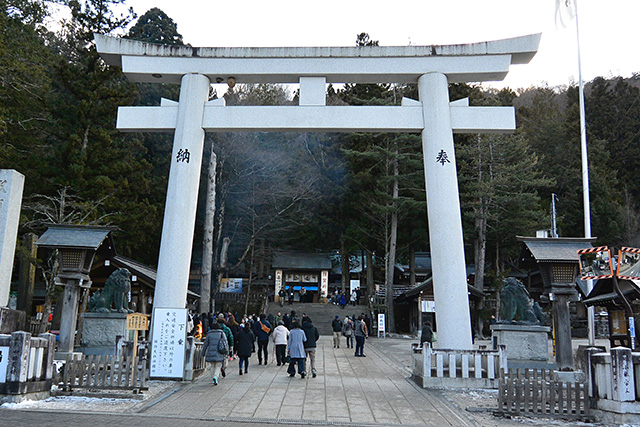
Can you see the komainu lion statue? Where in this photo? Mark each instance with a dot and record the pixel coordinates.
(515, 303)
(114, 294)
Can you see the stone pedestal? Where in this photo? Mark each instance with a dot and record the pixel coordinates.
(526, 345)
(12, 321)
(100, 330)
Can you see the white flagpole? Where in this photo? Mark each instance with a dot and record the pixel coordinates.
(585, 175)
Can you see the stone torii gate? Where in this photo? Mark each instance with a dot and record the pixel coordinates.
(432, 68)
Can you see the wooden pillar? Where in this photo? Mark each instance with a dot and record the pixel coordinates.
(27, 276)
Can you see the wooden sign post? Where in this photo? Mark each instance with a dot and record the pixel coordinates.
(137, 322)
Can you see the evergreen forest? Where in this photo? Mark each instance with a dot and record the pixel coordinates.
(297, 191)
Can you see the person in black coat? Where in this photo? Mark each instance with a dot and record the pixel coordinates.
(312, 335)
(427, 334)
(244, 346)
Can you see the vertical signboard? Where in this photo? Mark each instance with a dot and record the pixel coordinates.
(278, 281)
(353, 285)
(169, 334)
(381, 325)
(324, 283)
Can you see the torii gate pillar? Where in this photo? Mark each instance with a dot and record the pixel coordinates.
(182, 194)
(443, 207)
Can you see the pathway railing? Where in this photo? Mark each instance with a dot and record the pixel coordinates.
(29, 364)
(458, 368)
(613, 379)
(195, 363)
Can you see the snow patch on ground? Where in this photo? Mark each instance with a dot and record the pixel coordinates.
(104, 404)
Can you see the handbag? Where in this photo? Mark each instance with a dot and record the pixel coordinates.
(434, 337)
(265, 328)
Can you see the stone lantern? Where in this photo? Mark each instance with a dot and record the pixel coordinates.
(77, 246)
(559, 278)
(558, 261)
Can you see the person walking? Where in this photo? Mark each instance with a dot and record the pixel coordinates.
(336, 325)
(367, 321)
(222, 322)
(244, 347)
(297, 338)
(427, 334)
(234, 327)
(352, 300)
(215, 349)
(361, 334)
(347, 331)
(282, 295)
(312, 335)
(280, 337)
(262, 329)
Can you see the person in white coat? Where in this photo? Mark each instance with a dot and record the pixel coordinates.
(280, 337)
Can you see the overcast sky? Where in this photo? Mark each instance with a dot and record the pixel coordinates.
(608, 29)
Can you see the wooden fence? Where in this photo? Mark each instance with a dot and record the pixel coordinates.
(536, 392)
(104, 372)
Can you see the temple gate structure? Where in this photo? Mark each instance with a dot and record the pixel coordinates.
(432, 68)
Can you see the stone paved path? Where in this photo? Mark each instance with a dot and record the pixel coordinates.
(348, 390)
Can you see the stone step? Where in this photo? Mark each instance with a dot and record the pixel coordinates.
(321, 314)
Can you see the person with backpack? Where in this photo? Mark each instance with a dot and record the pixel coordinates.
(215, 349)
(336, 325)
(347, 331)
(262, 329)
(244, 347)
(227, 332)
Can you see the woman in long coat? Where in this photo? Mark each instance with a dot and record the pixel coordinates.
(211, 350)
(244, 346)
(297, 338)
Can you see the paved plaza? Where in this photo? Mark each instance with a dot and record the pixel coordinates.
(348, 389)
(369, 391)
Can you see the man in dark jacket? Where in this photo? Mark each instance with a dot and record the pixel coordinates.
(262, 329)
(312, 335)
(336, 325)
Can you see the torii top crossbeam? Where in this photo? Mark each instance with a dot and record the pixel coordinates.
(486, 61)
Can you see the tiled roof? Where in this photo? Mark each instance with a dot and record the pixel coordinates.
(301, 261)
(74, 236)
(555, 249)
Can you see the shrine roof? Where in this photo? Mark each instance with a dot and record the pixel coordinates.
(301, 261)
